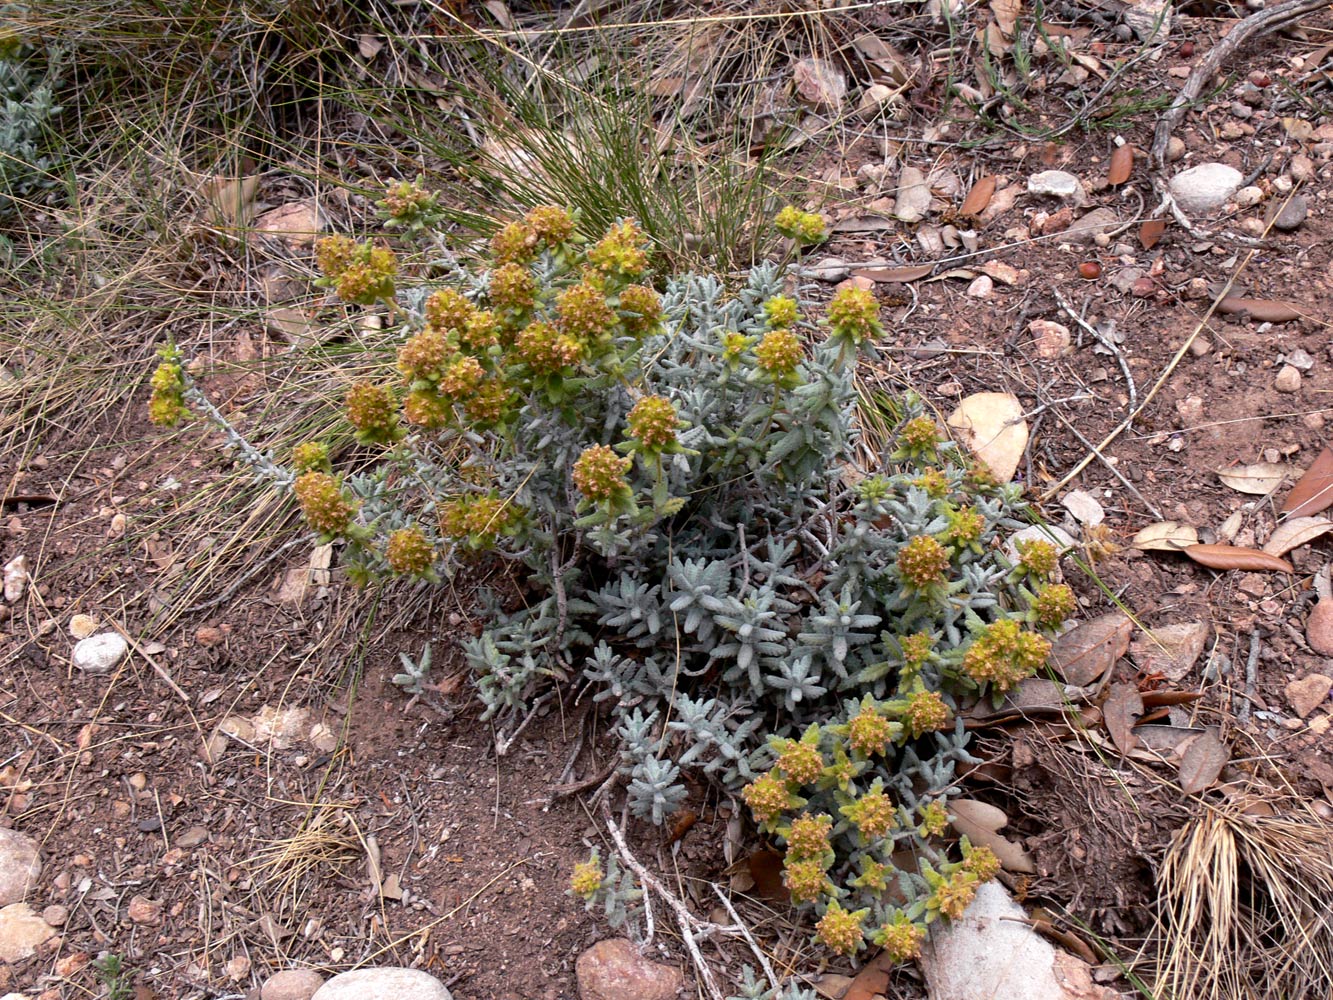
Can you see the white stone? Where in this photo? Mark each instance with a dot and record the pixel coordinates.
(981, 287)
(994, 952)
(1202, 189)
(1248, 197)
(1085, 507)
(913, 195)
(1302, 168)
(1091, 227)
(1288, 379)
(21, 932)
(20, 865)
(1058, 184)
(383, 984)
(820, 84)
(99, 654)
(16, 578)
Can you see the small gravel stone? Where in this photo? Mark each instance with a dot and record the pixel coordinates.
(16, 578)
(1308, 693)
(614, 970)
(56, 915)
(913, 195)
(1292, 214)
(291, 984)
(828, 269)
(981, 288)
(143, 910)
(1288, 379)
(1175, 149)
(1096, 223)
(1240, 110)
(20, 865)
(1249, 196)
(99, 654)
(383, 984)
(1302, 168)
(1252, 95)
(1050, 339)
(1202, 189)
(1299, 360)
(21, 932)
(1058, 184)
(1200, 346)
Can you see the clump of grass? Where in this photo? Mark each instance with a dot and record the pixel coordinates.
(321, 845)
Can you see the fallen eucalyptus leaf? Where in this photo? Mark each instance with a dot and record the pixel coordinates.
(1236, 557)
(1121, 710)
(1202, 762)
(992, 427)
(1150, 232)
(1165, 536)
(1314, 490)
(1259, 479)
(1086, 652)
(1171, 650)
(1264, 310)
(895, 274)
(979, 197)
(1122, 165)
(980, 823)
(1295, 533)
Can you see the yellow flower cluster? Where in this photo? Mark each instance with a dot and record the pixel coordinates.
(809, 837)
(587, 878)
(840, 930)
(853, 315)
(1053, 604)
(322, 501)
(873, 813)
(868, 732)
(767, 796)
(926, 712)
(803, 227)
(800, 761)
(652, 422)
(600, 473)
(922, 561)
(779, 353)
(371, 409)
(1004, 654)
(409, 552)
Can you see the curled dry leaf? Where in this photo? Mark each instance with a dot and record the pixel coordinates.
(980, 823)
(1295, 533)
(1165, 536)
(978, 199)
(1314, 490)
(1150, 232)
(1236, 557)
(1122, 165)
(992, 427)
(1121, 710)
(1088, 651)
(1259, 479)
(1264, 310)
(895, 274)
(1170, 651)
(1202, 762)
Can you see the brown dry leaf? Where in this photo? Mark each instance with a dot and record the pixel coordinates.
(897, 274)
(1006, 14)
(1122, 165)
(1314, 490)
(991, 426)
(1295, 533)
(872, 980)
(766, 870)
(979, 197)
(1298, 129)
(230, 200)
(1264, 310)
(1170, 651)
(1203, 761)
(1165, 536)
(1165, 699)
(895, 68)
(1067, 940)
(1121, 710)
(1258, 479)
(980, 822)
(1150, 232)
(1236, 557)
(1086, 652)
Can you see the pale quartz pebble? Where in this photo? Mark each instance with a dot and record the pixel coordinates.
(99, 654)
(1248, 197)
(981, 287)
(1202, 189)
(1288, 379)
(1058, 184)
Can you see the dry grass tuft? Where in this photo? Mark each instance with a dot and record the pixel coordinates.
(1244, 906)
(324, 844)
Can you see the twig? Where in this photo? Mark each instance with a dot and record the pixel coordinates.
(749, 938)
(1255, 24)
(158, 669)
(241, 580)
(692, 929)
(1251, 675)
(1106, 342)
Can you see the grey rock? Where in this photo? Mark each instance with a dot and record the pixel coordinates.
(22, 931)
(1058, 184)
(614, 970)
(1202, 189)
(20, 865)
(383, 984)
(1098, 222)
(1292, 214)
(1300, 360)
(291, 984)
(913, 195)
(99, 654)
(1241, 111)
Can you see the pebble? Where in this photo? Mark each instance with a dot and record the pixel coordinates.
(1292, 214)
(1300, 360)
(1288, 379)
(820, 84)
(875, 99)
(1249, 196)
(828, 269)
(1058, 184)
(1242, 111)
(981, 288)
(1308, 693)
(21, 932)
(291, 984)
(1051, 339)
(1313, 421)
(383, 984)
(1200, 346)
(1252, 95)
(56, 915)
(913, 195)
(192, 838)
(143, 910)
(614, 970)
(1202, 189)
(82, 626)
(16, 578)
(1190, 411)
(20, 865)
(99, 654)
(1302, 168)
(1085, 507)
(1175, 149)
(1096, 223)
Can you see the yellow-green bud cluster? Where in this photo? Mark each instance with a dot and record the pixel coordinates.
(901, 939)
(513, 288)
(1052, 605)
(427, 409)
(853, 315)
(333, 255)
(582, 312)
(1005, 654)
(487, 405)
(620, 252)
(552, 225)
(934, 819)
(479, 518)
(803, 227)
(868, 731)
(516, 243)
(367, 276)
(809, 837)
(587, 878)
(311, 456)
(372, 410)
(873, 813)
(980, 861)
(933, 482)
(545, 349)
(805, 880)
(952, 897)
(166, 405)
(965, 527)
(448, 311)
(482, 331)
(768, 797)
(322, 501)
(781, 312)
(919, 436)
(1036, 556)
(801, 761)
(840, 930)
(409, 552)
(922, 561)
(652, 422)
(461, 378)
(778, 353)
(600, 473)
(640, 309)
(407, 204)
(916, 648)
(926, 712)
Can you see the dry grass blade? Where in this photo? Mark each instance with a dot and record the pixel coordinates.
(1244, 907)
(320, 844)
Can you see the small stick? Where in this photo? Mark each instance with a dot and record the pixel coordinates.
(749, 938)
(1106, 342)
(1251, 675)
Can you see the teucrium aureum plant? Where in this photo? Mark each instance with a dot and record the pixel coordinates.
(672, 470)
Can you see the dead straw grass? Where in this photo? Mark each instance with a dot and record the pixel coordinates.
(1245, 906)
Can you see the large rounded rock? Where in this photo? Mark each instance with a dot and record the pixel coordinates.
(22, 931)
(614, 970)
(383, 984)
(1202, 189)
(20, 865)
(292, 984)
